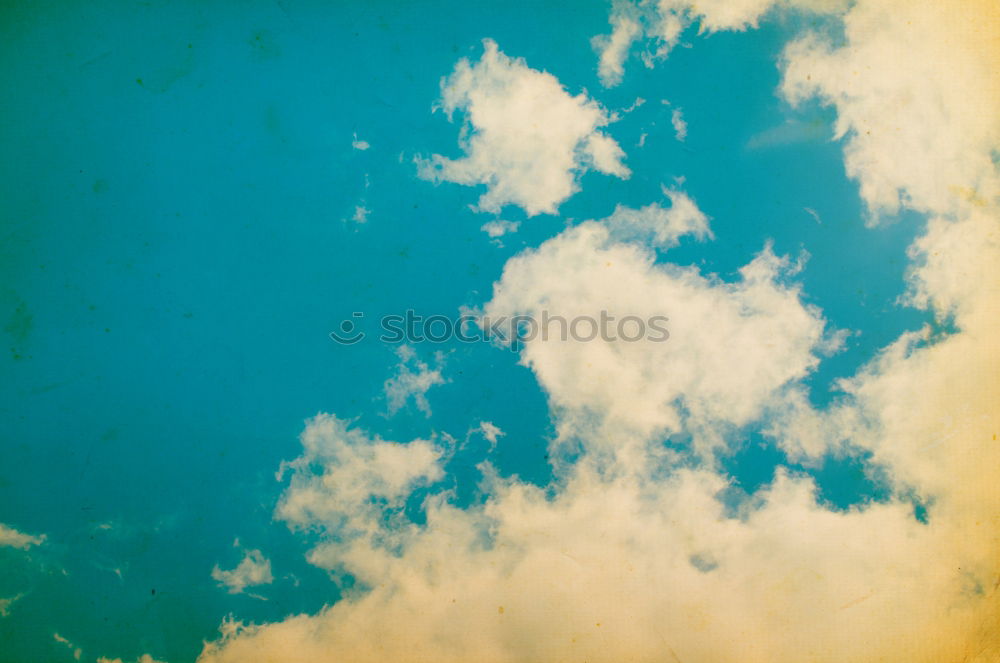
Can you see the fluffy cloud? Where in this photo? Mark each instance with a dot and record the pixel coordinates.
(526, 138)
(11, 537)
(917, 99)
(920, 130)
(731, 346)
(254, 569)
(632, 568)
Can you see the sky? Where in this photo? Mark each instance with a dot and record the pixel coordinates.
(211, 451)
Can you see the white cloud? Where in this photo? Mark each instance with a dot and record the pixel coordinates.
(253, 570)
(500, 227)
(412, 380)
(525, 137)
(11, 537)
(490, 431)
(622, 568)
(614, 49)
(665, 20)
(919, 129)
(679, 125)
(360, 489)
(359, 144)
(731, 346)
(360, 214)
(657, 226)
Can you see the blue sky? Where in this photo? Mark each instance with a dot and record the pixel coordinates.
(194, 196)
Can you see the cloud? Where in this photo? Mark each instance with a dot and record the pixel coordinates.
(524, 136)
(491, 432)
(412, 380)
(253, 570)
(359, 144)
(360, 214)
(145, 658)
(354, 486)
(11, 537)
(614, 48)
(5, 604)
(77, 652)
(664, 21)
(731, 346)
(500, 227)
(679, 125)
(624, 568)
(920, 125)
(919, 131)
(657, 226)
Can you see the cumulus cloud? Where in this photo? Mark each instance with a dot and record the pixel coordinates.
(629, 567)
(920, 123)
(412, 380)
(253, 570)
(920, 130)
(525, 137)
(11, 537)
(629, 554)
(731, 346)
